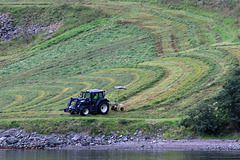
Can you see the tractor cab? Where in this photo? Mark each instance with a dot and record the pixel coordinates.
(90, 101)
(93, 94)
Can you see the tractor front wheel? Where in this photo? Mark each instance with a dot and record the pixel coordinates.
(72, 112)
(85, 111)
(103, 108)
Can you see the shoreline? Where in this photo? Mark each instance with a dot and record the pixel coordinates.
(20, 139)
(166, 145)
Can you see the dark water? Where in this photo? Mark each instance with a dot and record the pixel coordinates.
(118, 155)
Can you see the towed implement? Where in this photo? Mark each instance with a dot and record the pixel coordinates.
(115, 106)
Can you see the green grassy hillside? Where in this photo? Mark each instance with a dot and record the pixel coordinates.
(170, 60)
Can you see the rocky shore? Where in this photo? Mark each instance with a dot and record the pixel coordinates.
(20, 139)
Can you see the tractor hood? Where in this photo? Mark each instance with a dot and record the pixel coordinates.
(82, 100)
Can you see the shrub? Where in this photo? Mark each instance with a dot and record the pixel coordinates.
(228, 100)
(204, 119)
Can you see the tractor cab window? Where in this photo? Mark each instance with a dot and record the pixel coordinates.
(86, 95)
(97, 96)
(101, 95)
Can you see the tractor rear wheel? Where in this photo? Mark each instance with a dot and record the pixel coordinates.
(85, 111)
(103, 108)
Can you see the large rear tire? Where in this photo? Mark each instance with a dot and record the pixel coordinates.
(103, 107)
(85, 111)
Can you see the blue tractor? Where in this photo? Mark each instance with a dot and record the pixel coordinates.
(90, 101)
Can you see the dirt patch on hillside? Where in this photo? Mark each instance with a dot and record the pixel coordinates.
(8, 31)
(159, 46)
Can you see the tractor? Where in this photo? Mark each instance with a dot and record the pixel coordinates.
(90, 101)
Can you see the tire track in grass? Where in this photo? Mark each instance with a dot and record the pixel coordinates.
(182, 72)
(41, 95)
(43, 103)
(165, 84)
(18, 99)
(235, 50)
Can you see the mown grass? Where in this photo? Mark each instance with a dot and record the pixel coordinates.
(161, 55)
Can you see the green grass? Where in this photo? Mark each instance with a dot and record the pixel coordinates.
(91, 124)
(165, 57)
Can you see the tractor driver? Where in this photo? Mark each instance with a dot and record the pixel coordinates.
(95, 96)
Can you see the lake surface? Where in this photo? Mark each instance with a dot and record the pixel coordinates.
(117, 155)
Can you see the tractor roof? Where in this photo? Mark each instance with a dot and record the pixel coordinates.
(94, 90)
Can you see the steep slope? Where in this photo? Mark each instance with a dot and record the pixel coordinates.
(170, 60)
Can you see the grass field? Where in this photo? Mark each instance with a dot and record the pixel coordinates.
(170, 61)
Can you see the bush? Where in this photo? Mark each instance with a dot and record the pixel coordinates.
(228, 100)
(204, 119)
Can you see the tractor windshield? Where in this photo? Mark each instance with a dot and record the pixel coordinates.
(86, 95)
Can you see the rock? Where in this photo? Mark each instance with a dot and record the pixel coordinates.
(132, 138)
(104, 142)
(136, 133)
(85, 144)
(124, 139)
(22, 134)
(78, 144)
(2, 139)
(109, 141)
(11, 140)
(190, 137)
(53, 142)
(76, 137)
(10, 132)
(97, 139)
(50, 31)
(139, 133)
(146, 137)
